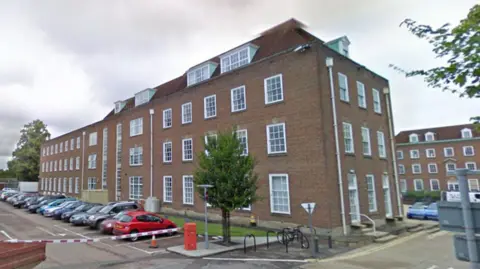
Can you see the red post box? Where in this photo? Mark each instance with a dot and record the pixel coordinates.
(190, 236)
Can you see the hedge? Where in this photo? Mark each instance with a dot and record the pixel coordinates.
(422, 195)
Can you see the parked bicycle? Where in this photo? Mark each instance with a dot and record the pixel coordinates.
(291, 234)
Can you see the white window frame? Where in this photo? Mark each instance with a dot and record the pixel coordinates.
(136, 127)
(361, 97)
(415, 184)
(198, 74)
(66, 146)
(65, 165)
(60, 166)
(348, 139)
(266, 90)
(403, 186)
(431, 184)
(413, 138)
(77, 185)
(185, 119)
(184, 190)
(237, 107)
(412, 155)
(77, 163)
(167, 118)
(92, 139)
(226, 60)
(445, 152)
(471, 163)
(183, 149)
(165, 159)
(213, 135)
(465, 151)
(402, 170)
(467, 133)
(366, 142)
(343, 94)
(61, 147)
(382, 149)
(70, 185)
(270, 179)
(78, 142)
(377, 101)
(372, 194)
(142, 97)
(430, 170)
(64, 185)
(56, 148)
(269, 148)
(165, 180)
(452, 185)
(470, 180)
(134, 194)
(240, 135)
(416, 165)
(400, 156)
(55, 166)
(446, 167)
(92, 161)
(71, 164)
(135, 156)
(432, 156)
(72, 144)
(205, 106)
(429, 137)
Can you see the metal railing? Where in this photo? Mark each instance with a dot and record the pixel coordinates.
(369, 219)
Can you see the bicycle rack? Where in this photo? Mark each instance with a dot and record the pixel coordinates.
(268, 233)
(245, 243)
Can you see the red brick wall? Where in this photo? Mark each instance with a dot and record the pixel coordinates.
(15, 255)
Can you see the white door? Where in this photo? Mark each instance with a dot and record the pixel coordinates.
(353, 197)
(386, 196)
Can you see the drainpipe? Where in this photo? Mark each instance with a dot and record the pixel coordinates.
(83, 160)
(151, 151)
(386, 92)
(329, 63)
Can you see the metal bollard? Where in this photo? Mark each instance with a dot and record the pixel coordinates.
(315, 245)
(329, 241)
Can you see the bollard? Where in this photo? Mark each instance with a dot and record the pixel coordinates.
(315, 243)
(329, 241)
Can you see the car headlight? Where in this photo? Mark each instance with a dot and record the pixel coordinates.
(91, 218)
(109, 225)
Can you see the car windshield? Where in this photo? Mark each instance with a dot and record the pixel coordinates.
(119, 215)
(106, 209)
(94, 209)
(80, 207)
(433, 206)
(418, 205)
(125, 218)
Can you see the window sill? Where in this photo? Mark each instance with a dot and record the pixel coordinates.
(165, 128)
(166, 202)
(189, 205)
(186, 123)
(345, 101)
(211, 118)
(134, 135)
(276, 214)
(280, 154)
(351, 154)
(364, 108)
(167, 163)
(238, 111)
(367, 156)
(187, 161)
(274, 103)
(135, 165)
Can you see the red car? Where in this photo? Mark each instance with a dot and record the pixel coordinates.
(106, 226)
(140, 221)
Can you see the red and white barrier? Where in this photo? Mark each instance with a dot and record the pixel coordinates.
(125, 236)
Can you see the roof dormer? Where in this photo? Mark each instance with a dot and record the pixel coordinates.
(413, 138)
(467, 133)
(119, 105)
(238, 57)
(341, 45)
(429, 136)
(144, 96)
(201, 72)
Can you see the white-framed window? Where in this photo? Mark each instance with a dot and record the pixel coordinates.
(136, 156)
(65, 165)
(242, 136)
(399, 154)
(76, 185)
(418, 184)
(429, 137)
(92, 161)
(206, 137)
(60, 166)
(142, 97)
(187, 113)
(434, 185)
(78, 142)
(72, 144)
(362, 100)
(343, 87)
(467, 133)
(235, 59)
(92, 139)
(167, 118)
(198, 74)
(382, 152)
(416, 168)
(210, 106)
(273, 87)
(136, 127)
(430, 153)
(238, 99)
(413, 138)
(452, 185)
(66, 146)
(372, 196)
(448, 152)
(167, 189)
(70, 185)
(366, 146)
(450, 167)
(64, 185)
(167, 152)
(43, 152)
(51, 166)
(279, 193)
(61, 147)
(56, 148)
(71, 163)
(471, 165)
(401, 169)
(414, 154)
(43, 167)
(51, 150)
(55, 166)
(348, 138)
(473, 184)
(59, 184)
(135, 188)
(188, 190)
(187, 149)
(403, 186)
(377, 105)
(432, 168)
(468, 151)
(276, 138)
(77, 163)
(55, 184)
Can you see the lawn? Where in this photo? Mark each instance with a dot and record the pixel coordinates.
(215, 229)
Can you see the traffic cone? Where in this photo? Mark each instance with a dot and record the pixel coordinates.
(153, 243)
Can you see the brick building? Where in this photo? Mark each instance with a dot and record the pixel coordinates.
(426, 155)
(277, 90)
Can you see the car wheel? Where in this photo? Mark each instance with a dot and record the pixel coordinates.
(133, 239)
(97, 225)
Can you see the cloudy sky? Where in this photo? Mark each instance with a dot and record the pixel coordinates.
(66, 62)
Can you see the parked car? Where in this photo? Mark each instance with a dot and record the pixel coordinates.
(49, 211)
(141, 221)
(57, 213)
(417, 211)
(5, 195)
(13, 197)
(22, 200)
(108, 212)
(33, 208)
(79, 209)
(106, 226)
(79, 218)
(55, 203)
(431, 212)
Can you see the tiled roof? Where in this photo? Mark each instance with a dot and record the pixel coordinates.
(274, 40)
(441, 133)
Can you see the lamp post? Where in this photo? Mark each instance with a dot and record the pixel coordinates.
(205, 188)
(83, 158)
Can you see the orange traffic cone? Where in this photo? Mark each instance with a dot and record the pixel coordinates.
(153, 243)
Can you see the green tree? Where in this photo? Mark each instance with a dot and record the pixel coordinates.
(6, 174)
(460, 45)
(230, 173)
(25, 163)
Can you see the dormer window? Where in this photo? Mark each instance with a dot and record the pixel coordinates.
(413, 138)
(429, 136)
(237, 58)
(466, 133)
(143, 97)
(119, 106)
(200, 73)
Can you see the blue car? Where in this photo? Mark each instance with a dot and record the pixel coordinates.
(431, 212)
(57, 214)
(55, 203)
(417, 211)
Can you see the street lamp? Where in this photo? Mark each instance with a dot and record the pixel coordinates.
(83, 158)
(205, 187)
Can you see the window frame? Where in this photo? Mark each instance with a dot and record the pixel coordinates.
(429, 170)
(166, 120)
(346, 98)
(434, 153)
(429, 135)
(165, 189)
(470, 184)
(401, 156)
(466, 130)
(242, 89)
(400, 172)
(403, 183)
(184, 121)
(376, 94)
(92, 158)
(269, 150)
(431, 184)
(361, 89)
(165, 160)
(265, 89)
(382, 149)
(184, 200)
(270, 183)
(205, 102)
(411, 155)
(465, 151)
(474, 165)
(373, 192)
(445, 152)
(136, 127)
(410, 140)
(139, 184)
(183, 149)
(135, 153)
(92, 139)
(350, 142)
(415, 184)
(419, 170)
(369, 140)
(446, 166)
(77, 163)
(245, 151)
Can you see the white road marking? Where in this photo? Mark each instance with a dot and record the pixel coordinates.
(255, 260)
(144, 251)
(5, 233)
(432, 267)
(81, 235)
(47, 231)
